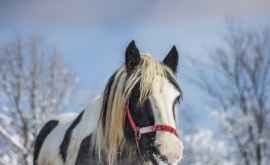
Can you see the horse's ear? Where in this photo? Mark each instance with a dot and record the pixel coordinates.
(171, 60)
(132, 56)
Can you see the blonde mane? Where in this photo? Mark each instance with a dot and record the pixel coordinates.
(109, 138)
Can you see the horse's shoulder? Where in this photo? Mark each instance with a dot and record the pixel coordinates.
(44, 132)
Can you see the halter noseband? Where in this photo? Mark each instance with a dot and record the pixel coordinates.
(138, 131)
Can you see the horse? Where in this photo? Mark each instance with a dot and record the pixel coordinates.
(135, 119)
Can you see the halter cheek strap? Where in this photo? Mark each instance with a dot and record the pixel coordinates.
(148, 129)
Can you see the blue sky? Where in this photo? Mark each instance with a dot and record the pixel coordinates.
(92, 35)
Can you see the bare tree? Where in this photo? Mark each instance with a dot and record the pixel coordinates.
(34, 83)
(238, 83)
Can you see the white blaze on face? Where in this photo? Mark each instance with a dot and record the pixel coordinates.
(162, 100)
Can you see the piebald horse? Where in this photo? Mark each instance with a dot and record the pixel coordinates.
(135, 123)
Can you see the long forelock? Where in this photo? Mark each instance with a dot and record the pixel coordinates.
(110, 134)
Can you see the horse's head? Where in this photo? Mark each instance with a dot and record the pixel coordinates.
(150, 119)
(138, 110)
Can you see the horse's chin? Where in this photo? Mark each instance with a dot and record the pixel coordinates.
(158, 160)
(155, 157)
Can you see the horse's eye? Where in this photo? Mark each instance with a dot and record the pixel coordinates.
(178, 99)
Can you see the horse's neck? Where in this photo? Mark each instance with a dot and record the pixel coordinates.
(89, 124)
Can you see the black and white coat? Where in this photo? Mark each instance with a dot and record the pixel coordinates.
(72, 139)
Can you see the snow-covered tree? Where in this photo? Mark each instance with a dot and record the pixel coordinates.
(34, 84)
(238, 83)
(203, 147)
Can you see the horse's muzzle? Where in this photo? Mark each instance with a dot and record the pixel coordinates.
(170, 146)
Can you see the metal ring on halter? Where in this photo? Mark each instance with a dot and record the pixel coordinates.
(138, 134)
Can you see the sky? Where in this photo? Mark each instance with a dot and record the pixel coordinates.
(92, 34)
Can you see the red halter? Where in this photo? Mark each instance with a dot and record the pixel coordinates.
(148, 129)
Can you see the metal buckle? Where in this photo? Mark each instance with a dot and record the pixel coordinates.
(137, 134)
